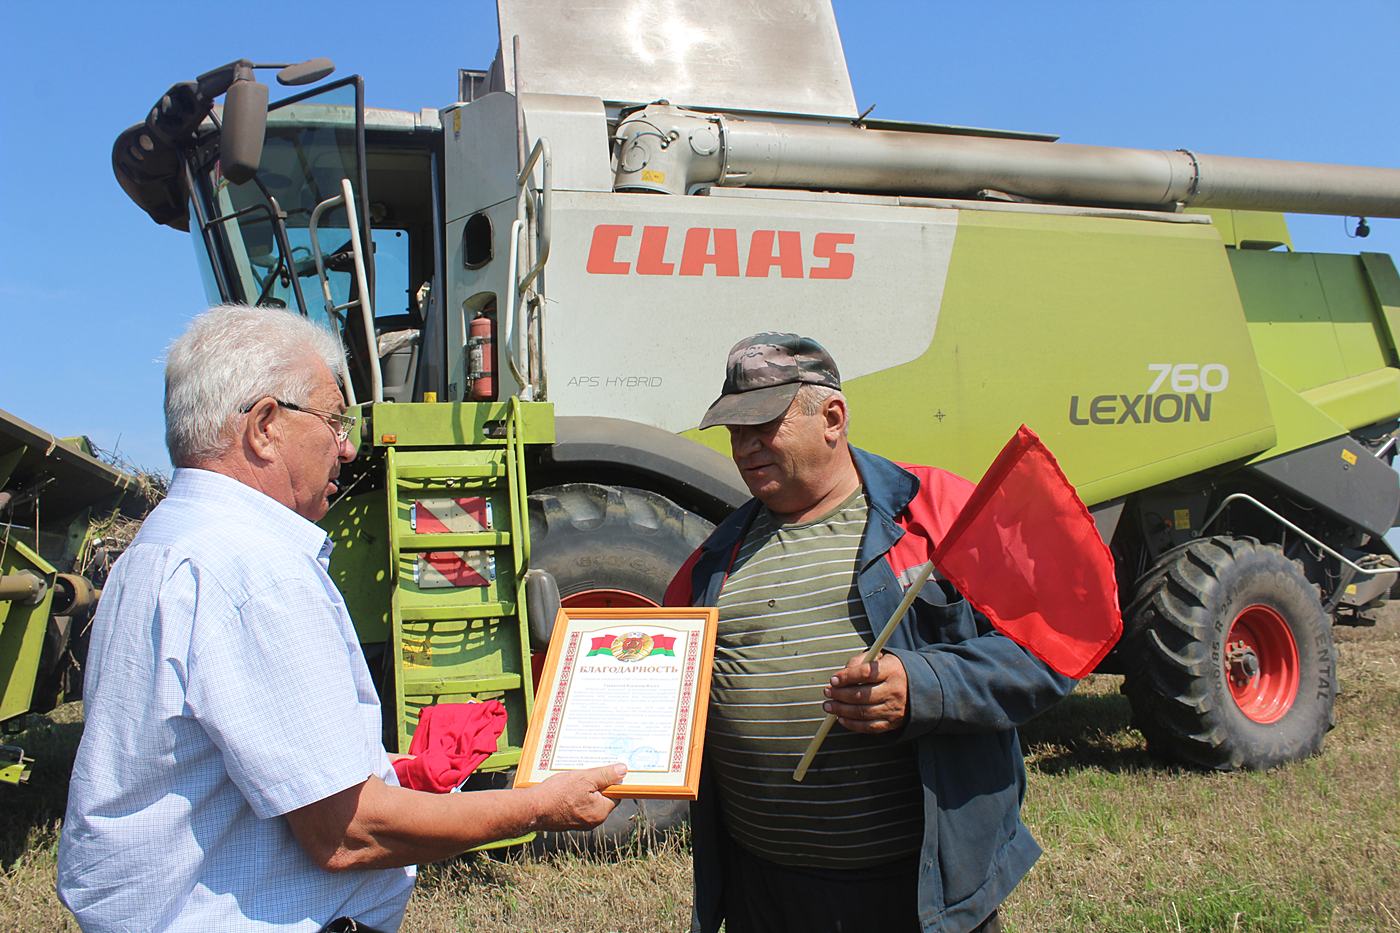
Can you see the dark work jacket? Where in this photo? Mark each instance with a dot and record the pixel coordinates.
(969, 688)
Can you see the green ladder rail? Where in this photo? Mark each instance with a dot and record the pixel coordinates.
(458, 629)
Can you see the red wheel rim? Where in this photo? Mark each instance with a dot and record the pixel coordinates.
(606, 599)
(592, 599)
(1261, 664)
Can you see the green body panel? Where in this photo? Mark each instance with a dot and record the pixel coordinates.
(1323, 339)
(1299, 422)
(1058, 321)
(1385, 291)
(360, 561)
(455, 424)
(1310, 316)
(1249, 229)
(21, 630)
(1358, 401)
(1044, 317)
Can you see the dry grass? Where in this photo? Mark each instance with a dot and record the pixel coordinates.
(109, 535)
(1130, 845)
(1133, 846)
(30, 816)
(641, 891)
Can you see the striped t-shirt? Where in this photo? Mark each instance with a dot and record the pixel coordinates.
(790, 616)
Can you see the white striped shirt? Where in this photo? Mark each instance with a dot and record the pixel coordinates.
(790, 616)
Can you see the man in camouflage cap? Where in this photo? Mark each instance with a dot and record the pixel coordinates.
(764, 374)
(909, 818)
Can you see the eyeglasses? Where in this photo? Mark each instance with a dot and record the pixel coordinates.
(340, 424)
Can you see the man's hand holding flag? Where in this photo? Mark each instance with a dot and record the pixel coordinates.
(1026, 552)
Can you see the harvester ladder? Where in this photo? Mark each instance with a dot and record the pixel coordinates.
(459, 546)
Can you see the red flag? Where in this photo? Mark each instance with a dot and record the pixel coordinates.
(1026, 552)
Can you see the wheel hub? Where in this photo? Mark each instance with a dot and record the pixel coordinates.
(1241, 662)
(1261, 664)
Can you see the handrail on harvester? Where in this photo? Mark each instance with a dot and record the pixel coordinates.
(333, 310)
(1315, 542)
(517, 328)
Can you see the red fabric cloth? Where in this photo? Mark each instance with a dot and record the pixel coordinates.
(451, 741)
(1026, 552)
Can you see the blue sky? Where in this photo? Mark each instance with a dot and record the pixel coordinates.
(91, 290)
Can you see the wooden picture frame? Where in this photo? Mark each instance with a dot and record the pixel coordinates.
(630, 685)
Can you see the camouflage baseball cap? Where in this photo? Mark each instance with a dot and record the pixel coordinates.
(763, 375)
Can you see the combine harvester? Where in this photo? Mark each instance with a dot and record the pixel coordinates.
(560, 257)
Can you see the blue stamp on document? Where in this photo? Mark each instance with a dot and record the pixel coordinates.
(645, 758)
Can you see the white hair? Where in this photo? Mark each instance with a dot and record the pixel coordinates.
(230, 357)
(811, 397)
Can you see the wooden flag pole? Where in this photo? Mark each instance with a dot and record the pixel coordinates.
(876, 647)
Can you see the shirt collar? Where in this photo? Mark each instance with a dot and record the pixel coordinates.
(208, 489)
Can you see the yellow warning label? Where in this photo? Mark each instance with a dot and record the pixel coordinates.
(430, 396)
(1349, 457)
(1181, 519)
(653, 176)
(1351, 590)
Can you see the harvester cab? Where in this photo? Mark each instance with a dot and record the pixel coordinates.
(538, 279)
(275, 197)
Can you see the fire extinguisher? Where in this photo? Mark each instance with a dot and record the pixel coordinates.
(481, 358)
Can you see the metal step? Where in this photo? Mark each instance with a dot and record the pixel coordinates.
(447, 613)
(419, 686)
(454, 542)
(446, 474)
(507, 757)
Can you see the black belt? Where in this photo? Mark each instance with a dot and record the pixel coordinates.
(347, 925)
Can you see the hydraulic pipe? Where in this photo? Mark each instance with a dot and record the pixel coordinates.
(668, 149)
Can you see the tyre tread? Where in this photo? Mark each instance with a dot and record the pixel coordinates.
(1172, 683)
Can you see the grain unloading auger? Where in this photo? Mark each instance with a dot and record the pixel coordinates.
(599, 215)
(671, 150)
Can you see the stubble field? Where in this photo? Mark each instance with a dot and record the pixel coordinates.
(1130, 845)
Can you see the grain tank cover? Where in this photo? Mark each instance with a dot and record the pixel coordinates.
(774, 55)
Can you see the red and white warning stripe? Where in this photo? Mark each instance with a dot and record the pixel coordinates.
(450, 515)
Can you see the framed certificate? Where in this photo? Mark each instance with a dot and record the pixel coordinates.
(628, 685)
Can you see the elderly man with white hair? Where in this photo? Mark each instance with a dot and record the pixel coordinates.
(231, 774)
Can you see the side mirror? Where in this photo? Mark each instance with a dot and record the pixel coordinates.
(305, 72)
(245, 122)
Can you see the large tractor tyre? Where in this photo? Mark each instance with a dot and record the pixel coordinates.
(1233, 665)
(607, 547)
(611, 546)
